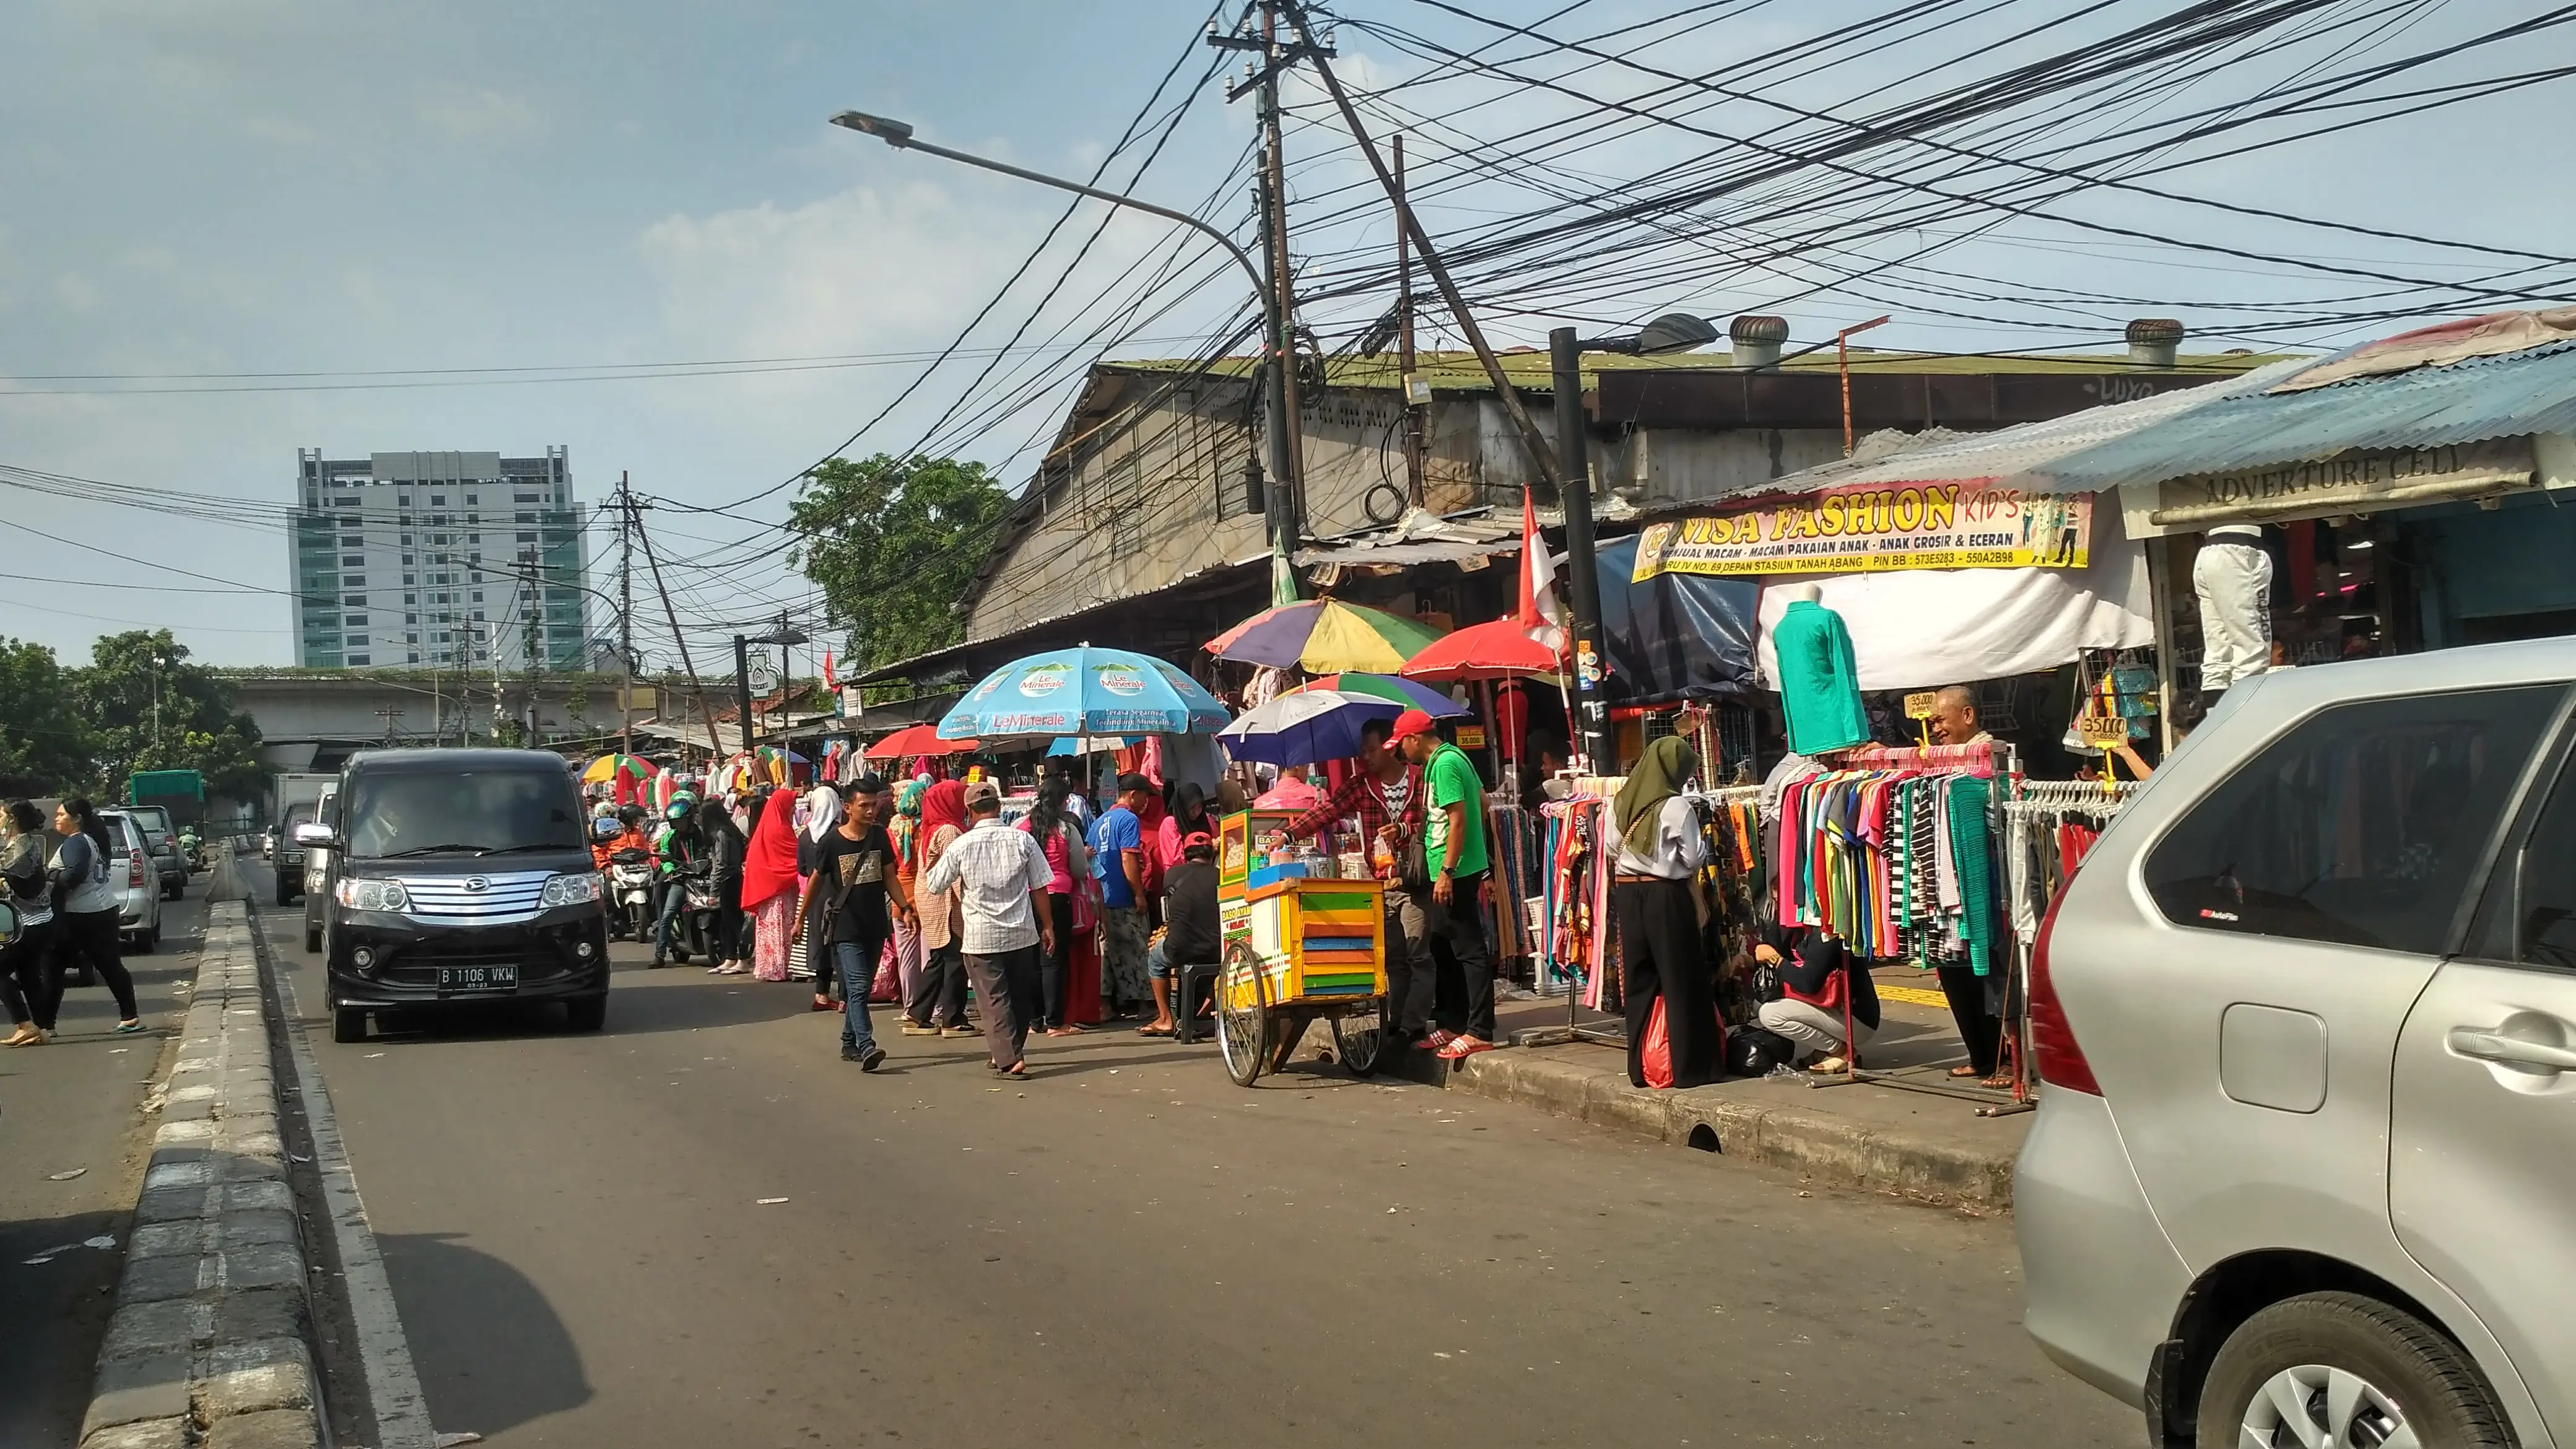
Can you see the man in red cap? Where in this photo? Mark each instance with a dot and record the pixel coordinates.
(1190, 936)
(1455, 853)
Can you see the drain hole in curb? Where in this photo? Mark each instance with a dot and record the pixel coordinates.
(1704, 1137)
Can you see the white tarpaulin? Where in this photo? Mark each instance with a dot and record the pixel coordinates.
(1923, 628)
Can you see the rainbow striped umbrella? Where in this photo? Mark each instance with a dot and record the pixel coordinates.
(1404, 692)
(1325, 636)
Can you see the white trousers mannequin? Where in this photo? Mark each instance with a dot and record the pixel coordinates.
(2233, 579)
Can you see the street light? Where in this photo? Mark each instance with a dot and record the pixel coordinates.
(899, 134)
(781, 635)
(1671, 332)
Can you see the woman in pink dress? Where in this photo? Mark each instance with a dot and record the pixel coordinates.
(769, 883)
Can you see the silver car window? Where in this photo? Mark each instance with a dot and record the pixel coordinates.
(2363, 824)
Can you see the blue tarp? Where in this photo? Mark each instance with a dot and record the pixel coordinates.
(1675, 636)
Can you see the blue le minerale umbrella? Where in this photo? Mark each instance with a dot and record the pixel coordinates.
(1084, 691)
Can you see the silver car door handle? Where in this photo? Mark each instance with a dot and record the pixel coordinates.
(2488, 1046)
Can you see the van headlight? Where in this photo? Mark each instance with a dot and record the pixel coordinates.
(372, 895)
(573, 890)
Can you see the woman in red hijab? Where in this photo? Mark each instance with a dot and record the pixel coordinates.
(769, 884)
(937, 1006)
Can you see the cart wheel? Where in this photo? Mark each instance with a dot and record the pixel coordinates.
(1242, 1032)
(1362, 1041)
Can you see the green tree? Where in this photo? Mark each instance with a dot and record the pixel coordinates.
(44, 743)
(893, 544)
(200, 728)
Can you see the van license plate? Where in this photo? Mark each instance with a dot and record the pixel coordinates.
(478, 978)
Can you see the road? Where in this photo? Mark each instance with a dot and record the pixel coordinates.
(1125, 1250)
(76, 1106)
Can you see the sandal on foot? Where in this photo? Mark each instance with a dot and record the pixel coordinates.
(1157, 1030)
(1963, 1072)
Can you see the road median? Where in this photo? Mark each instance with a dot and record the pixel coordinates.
(211, 1341)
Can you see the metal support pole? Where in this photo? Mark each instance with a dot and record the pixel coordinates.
(1583, 570)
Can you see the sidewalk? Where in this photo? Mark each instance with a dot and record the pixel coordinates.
(1875, 1137)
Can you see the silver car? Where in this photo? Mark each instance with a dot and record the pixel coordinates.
(2304, 1169)
(138, 883)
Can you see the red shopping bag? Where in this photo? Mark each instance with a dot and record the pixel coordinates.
(1659, 1049)
(888, 985)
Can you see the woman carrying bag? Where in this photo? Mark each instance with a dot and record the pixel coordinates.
(1651, 894)
(88, 918)
(27, 881)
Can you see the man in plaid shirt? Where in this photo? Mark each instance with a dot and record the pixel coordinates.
(1386, 795)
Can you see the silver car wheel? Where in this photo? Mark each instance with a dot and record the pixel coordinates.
(2314, 1406)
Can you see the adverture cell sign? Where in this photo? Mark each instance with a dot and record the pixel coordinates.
(1869, 528)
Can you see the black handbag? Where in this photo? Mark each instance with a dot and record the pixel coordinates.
(1413, 863)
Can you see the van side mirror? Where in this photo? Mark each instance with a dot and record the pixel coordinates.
(315, 837)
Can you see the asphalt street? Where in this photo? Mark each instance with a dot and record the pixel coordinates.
(72, 1111)
(702, 1227)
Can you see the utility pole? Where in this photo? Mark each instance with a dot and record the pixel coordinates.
(1407, 381)
(626, 614)
(389, 714)
(532, 605)
(1542, 457)
(673, 615)
(1583, 572)
(1288, 461)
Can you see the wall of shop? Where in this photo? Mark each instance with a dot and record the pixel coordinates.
(2491, 575)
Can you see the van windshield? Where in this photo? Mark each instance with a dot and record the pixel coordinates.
(464, 813)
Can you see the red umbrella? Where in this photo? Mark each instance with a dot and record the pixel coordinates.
(1501, 649)
(920, 739)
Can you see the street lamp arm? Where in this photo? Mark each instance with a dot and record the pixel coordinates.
(904, 140)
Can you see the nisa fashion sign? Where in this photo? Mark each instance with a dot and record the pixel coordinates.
(1871, 529)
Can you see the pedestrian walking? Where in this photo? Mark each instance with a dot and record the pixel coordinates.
(1052, 825)
(905, 828)
(88, 921)
(938, 1006)
(1002, 878)
(1118, 850)
(26, 880)
(769, 883)
(817, 815)
(726, 846)
(854, 877)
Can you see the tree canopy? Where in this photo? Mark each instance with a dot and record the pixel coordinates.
(91, 726)
(893, 544)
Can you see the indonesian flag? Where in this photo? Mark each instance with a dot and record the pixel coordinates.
(827, 668)
(1541, 616)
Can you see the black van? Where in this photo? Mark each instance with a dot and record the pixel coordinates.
(459, 877)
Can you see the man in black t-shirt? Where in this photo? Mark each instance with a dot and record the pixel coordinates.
(854, 884)
(1190, 935)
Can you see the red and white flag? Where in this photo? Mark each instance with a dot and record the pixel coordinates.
(1541, 616)
(827, 668)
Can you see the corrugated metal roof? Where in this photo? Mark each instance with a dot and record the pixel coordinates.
(2024, 455)
(2466, 402)
(1532, 368)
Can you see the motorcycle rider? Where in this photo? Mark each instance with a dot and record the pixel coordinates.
(633, 838)
(679, 854)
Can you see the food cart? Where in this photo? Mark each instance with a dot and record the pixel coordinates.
(1302, 943)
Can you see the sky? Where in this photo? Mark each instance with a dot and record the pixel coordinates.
(229, 231)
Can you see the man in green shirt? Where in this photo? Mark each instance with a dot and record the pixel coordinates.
(1454, 850)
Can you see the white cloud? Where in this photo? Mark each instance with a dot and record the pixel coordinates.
(75, 292)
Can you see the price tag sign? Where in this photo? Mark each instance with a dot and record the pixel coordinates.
(1471, 737)
(1923, 705)
(2102, 731)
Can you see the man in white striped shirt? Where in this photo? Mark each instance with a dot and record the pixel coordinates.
(1005, 875)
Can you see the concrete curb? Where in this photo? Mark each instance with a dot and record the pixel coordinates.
(211, 1341)
(1814, 1145)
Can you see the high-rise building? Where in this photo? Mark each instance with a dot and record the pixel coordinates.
(438, 560)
